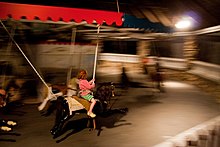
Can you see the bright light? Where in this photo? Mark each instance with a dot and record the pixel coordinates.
(121, 37)
(183, 24)
(176, 84)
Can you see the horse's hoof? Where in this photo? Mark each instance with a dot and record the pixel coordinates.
(52, 131)
(56, 130)
(56, 134)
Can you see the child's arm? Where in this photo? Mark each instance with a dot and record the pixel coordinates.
(92, 81)
(86, 85)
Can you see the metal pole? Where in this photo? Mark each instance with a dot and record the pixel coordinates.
(72, 46)
(96, 52)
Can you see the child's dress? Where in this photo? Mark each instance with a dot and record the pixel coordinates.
(85, 89)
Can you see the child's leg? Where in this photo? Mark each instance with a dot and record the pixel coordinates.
(90, 113)
(93, 101)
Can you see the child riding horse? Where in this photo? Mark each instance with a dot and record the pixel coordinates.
(102, 95)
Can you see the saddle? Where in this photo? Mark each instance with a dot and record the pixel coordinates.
(86, 104)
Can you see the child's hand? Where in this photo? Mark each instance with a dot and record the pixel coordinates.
(92, 81)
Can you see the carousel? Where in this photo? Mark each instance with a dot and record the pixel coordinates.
(65, 96)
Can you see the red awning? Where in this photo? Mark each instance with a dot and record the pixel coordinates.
(17, 11)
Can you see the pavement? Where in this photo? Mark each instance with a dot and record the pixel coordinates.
(152, 118)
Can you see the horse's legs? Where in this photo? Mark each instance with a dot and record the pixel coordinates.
(58, 115)
(66, 112)
(62, 115)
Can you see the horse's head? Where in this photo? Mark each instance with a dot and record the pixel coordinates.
(105, 91)
(103, 94)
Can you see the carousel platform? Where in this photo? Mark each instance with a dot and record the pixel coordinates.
(153, 117)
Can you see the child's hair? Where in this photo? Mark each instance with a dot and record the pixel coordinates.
(82, 74)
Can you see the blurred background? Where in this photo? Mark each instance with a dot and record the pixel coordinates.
(180, 35)
(162, 55)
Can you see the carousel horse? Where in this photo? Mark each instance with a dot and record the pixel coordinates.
(5, 125)
(11, 98)
(52, 93)
(67, 107)
(56, 90)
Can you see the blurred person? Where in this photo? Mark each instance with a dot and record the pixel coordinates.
(157, 75)
(124, 79)
(145, 61)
